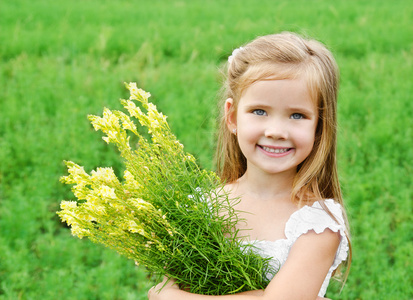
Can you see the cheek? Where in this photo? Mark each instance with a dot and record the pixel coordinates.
(305, 138)
(247, 137)
(244, 136)
(248, 130)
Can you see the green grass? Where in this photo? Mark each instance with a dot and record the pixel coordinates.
(63, 60)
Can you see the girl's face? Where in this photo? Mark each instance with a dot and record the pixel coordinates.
(276, 122)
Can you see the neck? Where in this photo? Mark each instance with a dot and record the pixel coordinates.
(267, 186)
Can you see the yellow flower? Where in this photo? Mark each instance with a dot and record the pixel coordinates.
(128, 176)
(96, 122)
(135, 228)
(127, 124)
(67, 217)
(131, 107)
(107, 192)
(112, 135)
(80, 191)
(92, 208)
(120, 209)
(110, 119)
(139, 203)
(144, 94)
(130, 183)
(135, 92)
(104, 174)
(132, 87)
(78, 231)
(152, 111)
(93, 198)
(68, 205)
(77, 174)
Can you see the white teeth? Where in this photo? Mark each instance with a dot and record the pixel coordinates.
(275, 150)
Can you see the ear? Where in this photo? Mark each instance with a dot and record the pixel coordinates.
(230, 115)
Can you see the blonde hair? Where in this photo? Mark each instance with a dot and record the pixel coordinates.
(288, 56)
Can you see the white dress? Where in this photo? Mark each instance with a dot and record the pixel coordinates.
(300, 222)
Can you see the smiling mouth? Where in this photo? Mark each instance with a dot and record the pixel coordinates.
(275, 150)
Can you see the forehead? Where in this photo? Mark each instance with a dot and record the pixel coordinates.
(286, 92)
(278, 71)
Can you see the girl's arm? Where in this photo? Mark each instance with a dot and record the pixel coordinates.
(171, 291)
(300, 277)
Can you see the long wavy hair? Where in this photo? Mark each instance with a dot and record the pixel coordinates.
(287, 56)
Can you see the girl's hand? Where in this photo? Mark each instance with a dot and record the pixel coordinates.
(158, 293)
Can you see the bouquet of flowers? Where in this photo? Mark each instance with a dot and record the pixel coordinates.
(166, 214)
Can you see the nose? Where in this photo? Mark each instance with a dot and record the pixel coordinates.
(276, 129)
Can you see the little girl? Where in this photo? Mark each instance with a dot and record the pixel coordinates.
(277, 154)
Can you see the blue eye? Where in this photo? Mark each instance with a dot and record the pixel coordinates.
(297, 116)
(259, 112)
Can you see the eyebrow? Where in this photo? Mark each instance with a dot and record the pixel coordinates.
(303, 110)
(299, 109)
(257, 105)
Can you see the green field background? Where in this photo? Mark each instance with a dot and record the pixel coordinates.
(62, 60)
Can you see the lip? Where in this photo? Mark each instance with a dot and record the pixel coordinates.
(275, 151)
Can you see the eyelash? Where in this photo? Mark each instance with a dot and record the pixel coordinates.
(261, 112)
(301, 116)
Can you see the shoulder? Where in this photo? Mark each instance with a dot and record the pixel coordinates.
(323, 222)
(316, 249)
(320, 224)
(318, 217)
